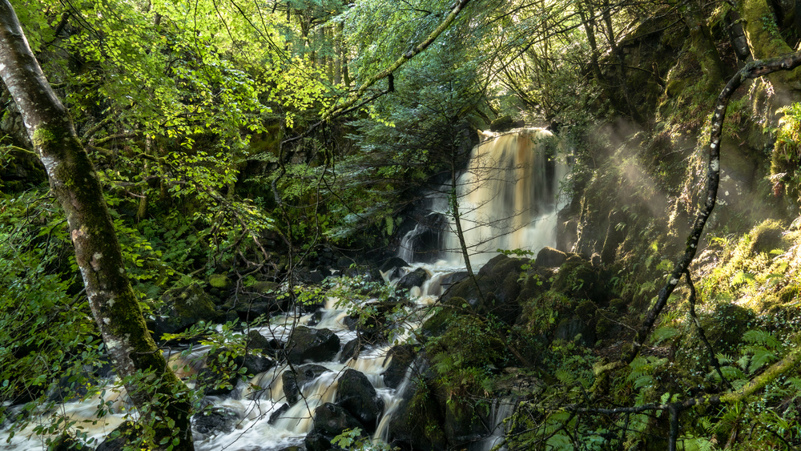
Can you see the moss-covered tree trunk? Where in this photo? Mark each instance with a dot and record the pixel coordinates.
(74, 183)
(765, 41)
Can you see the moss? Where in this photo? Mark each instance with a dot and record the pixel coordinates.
(219, 281)
(767, 236)
(42, 136)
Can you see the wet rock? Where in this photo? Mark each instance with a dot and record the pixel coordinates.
(418, 420)
(66, 442)
(351, 350)
(278, 412)
(315, 441)
(550, 257)
(415, 278)
(309, 276)
(254, 364)
(358, 396)
(392, 267)
(452, 279)
(312, 345)
(330, 420)
(295, 380)
(402, 356)
(569, 328)
(218, 420)
(257, 342)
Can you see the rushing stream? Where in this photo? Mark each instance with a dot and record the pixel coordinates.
(507, 200)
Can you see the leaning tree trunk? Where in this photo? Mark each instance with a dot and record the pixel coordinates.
(74, 183)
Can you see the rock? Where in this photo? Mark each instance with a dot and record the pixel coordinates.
(184, 307)
(294, 381)
(330, 420)
(498, 281)
(218, 420)
(316, 441)
(418, 420)
(392, 267)
(277, 414)
(504, 123)
(452, 279)
(66, 442)
(550, 257)
(358, 396)
(308, 276)
(351, 350)
(256, 341)
(401, 357)
(312, 345)
(569, 329)
(254, 364)
(415, 278)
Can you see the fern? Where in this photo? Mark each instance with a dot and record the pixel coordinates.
(761, 337)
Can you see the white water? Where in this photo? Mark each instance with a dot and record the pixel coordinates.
(508, 196)
(507, 201)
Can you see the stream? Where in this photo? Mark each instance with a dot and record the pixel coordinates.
(508, 201)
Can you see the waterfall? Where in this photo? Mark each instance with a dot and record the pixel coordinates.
(507, 199)
(508, 196)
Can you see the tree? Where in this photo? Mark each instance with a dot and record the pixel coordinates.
(75, 184)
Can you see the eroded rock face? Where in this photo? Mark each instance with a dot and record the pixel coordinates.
(312, 345)
(357, 396)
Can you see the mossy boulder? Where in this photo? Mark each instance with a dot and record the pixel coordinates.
(580, 279)
(768, 236)
(184, 307)
(498, 289)
(220, 281)
(400, 357)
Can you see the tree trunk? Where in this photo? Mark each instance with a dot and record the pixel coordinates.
(162, 398)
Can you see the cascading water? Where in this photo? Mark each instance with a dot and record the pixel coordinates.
(507, 200)
(508, 196)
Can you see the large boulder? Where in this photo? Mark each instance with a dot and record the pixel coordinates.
(392, 267)
(498, 289)
(312, 345)
(351, 350)
(259, 343)
(358, 396)
(259, 299)
(415, 278)
(294, 381)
